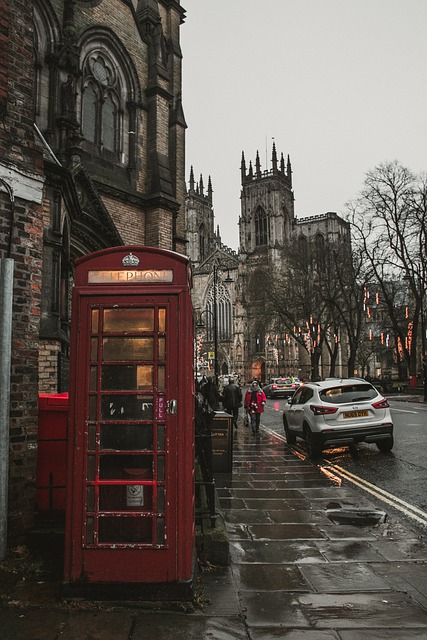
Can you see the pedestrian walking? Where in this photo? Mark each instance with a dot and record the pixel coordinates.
(255, 400)
(232, 400)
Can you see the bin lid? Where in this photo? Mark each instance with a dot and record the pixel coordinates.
(53, 400)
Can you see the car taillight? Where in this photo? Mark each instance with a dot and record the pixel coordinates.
(322, 411)
(274, 386)
(381, 404)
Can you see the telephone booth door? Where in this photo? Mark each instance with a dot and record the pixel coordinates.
(130, 511)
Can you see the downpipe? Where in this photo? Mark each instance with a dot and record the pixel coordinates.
(6, 298)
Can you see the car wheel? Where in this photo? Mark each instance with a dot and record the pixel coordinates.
(385, 445)
(290, 437)
(314, 448)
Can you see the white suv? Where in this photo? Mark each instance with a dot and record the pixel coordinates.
(338, 412)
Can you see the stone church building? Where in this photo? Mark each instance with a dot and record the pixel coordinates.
(267, 222)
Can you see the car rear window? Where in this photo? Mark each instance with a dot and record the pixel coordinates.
(348, 393)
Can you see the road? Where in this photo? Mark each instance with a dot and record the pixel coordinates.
(398, 479)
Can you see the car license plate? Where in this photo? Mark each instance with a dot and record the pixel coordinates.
(355, 414)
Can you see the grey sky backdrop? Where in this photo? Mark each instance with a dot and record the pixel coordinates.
(341, 86)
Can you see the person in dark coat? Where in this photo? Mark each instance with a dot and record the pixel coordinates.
(232, 400)
(210, 394)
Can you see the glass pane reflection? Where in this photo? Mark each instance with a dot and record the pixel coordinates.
(122, 377)
(136, 320)
(120, 349)
(129, 437)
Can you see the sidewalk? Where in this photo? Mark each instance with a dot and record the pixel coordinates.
(294, 574)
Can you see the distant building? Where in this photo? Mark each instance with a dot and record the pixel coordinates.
(267, 222)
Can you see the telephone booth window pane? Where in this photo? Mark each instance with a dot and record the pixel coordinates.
(90, 498)
(160, 535)
(125, 530)
(93, 378)
(160, 468)
(161, 437)
(126, 497)
(91, 437)
(162, 319)
(95, 320)
(91, 468)
(161, 378)
(94, 349)
(119, 349)
(136, 320)
(89, 531)
(160, 499)
(92, 407)
(129, 437)
(120, 377)
(145, 376)
(123, 467)
(126, 407)
(162, 348)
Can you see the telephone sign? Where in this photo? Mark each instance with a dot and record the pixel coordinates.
(130, 504)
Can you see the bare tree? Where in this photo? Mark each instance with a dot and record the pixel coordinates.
(389, 226)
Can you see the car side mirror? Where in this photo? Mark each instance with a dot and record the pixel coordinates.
(290, 400)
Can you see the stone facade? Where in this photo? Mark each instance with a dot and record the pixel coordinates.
(267, 223)
(92, 142)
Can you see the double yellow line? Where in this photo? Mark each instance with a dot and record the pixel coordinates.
(337, 473)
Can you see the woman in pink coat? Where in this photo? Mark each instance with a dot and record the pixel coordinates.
(255, 400)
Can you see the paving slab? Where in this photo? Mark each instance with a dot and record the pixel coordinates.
(343, 578)
(275, 551)
(269, 577)
(186, 627)
(362, 610)
(349, 551)
(273, 609)
(292, 634)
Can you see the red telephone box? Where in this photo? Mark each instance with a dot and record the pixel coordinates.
(130, 500)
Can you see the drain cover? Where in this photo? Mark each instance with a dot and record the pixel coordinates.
(360, 517)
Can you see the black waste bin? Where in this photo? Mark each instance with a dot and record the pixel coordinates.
(222, 442)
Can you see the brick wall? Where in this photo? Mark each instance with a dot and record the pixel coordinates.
(21, 162)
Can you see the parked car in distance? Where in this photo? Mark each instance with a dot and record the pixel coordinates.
(281, 387)
(337, 412)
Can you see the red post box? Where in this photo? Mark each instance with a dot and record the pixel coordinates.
(51, 453)
(130, 501)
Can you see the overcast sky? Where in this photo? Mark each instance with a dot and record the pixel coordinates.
(341, 86)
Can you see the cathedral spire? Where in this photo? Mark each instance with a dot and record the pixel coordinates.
(210, 190)
(251, 171)
(243, 167)
(282, 164)
(289, 170)
(201, 185)
(274, 158)
(191, 179)
(257, 166)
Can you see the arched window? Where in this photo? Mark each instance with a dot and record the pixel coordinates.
(223, 312)
(100, 100)
(90, 99)
(261, 227)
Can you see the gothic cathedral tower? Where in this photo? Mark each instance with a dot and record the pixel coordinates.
(266, 222)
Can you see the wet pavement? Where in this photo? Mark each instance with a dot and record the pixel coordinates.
(295, 573)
